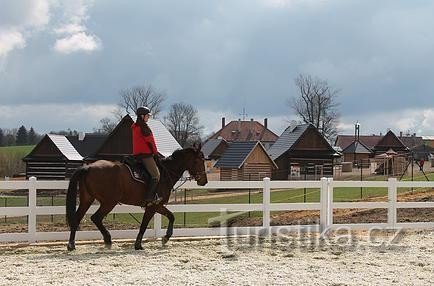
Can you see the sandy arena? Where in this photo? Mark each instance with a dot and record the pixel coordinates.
(293, 260)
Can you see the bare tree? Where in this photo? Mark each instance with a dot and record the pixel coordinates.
(143, 95)
(316, 104)
(182, 121)
(107, 125)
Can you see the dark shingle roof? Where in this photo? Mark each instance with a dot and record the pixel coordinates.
(358, 148)
(236, 154)
(209, 147)
(89, 145)
(287, 140)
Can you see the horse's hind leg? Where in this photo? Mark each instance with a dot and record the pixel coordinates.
(85, 202)
(97, 218)
(164, 211)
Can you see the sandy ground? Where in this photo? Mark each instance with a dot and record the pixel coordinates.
(290, 260)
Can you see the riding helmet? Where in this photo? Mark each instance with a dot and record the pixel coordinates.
(143, 110)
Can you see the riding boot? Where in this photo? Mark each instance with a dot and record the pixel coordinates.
(151, 195)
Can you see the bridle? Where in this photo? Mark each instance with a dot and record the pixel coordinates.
(197, 175)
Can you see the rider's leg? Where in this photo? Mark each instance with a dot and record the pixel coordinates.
(151, 194)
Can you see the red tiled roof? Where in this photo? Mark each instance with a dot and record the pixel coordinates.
(245, 131)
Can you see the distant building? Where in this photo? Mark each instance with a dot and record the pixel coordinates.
(301, 152)
(213, 149)
(245, 161)
(245, 131)
(53, 158)
(58, 156)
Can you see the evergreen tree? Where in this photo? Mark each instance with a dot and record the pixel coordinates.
(2, 143)
(21, 136)
(31, 137)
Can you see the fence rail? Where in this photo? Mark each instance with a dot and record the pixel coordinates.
(325, 206)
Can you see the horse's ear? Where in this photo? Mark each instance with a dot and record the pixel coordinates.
(197, 146)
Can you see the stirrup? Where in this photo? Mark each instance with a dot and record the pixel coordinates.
(154, 202)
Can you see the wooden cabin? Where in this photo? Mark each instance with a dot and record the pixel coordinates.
(57, 156)
(213, 150)
(118, 144)
(53, 158)
(245, 161)
(301, 152)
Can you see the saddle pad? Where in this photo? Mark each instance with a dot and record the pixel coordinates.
(134, 175)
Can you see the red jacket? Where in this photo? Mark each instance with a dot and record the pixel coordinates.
(143, 144)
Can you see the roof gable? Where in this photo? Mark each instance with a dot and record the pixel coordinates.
(54, 146)
(238, 152)
(286, 140)
(245, 131)
(214, 146)
(357, 147)
(119, 141)
(166, 143)
(390, 141)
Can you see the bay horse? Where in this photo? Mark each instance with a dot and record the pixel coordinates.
(111, 183)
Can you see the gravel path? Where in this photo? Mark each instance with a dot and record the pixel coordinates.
(293, 260)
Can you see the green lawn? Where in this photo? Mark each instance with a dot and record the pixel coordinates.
(17, 150)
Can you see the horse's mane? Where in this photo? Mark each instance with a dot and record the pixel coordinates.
(178, 153)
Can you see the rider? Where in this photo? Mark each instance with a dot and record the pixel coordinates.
(144, 148)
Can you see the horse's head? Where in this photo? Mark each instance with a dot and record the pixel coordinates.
(196, 166)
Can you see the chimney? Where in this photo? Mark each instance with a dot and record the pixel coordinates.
(81, 136)
(265, 122)
(400, 134)
(223, 122)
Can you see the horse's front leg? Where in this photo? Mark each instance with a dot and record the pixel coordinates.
(164, 211)
(149, 213)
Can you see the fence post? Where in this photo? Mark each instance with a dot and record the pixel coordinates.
(329, 201)
(324, 202)
(157, 225)
(392, 195)
(266, 206)
(32, 210)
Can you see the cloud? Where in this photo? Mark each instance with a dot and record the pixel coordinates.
(406, 120)
(19, 20)
(10, 40)
(74, 35)
(77, 42)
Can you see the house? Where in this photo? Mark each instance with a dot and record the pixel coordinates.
(244, 131)
(301, 152)
(380, 144)
(53, 158)
(118, 144)
(357, 151)
(58, 156)
(87, 143)
(245, 161)
(213, 149)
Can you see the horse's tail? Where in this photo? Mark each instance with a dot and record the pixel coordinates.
(71, 195)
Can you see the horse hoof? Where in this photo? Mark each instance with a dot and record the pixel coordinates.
(108, 245)
(138, 247)
(71, 247)
(164, 240)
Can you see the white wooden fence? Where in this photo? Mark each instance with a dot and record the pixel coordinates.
(325, 206)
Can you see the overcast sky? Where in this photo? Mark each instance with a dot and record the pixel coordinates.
(63, 63)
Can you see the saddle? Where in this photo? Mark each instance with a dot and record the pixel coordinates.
(137, 169)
